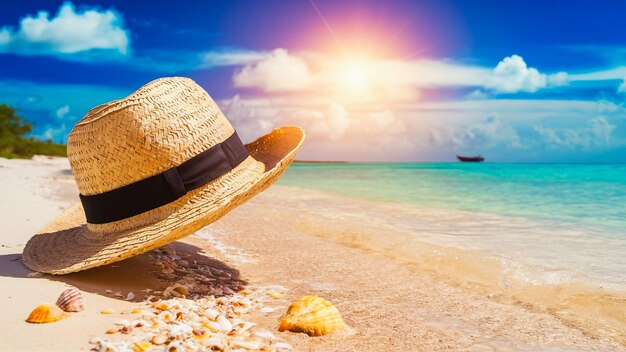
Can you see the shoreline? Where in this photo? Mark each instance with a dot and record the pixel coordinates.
(388, 303)
(441, 237)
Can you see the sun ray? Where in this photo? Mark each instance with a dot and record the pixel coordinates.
(330, 29)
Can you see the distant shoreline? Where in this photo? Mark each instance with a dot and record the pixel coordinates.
(318, 162)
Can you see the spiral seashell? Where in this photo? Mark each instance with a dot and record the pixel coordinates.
(312, 315)
(46, 313)
(71, 300)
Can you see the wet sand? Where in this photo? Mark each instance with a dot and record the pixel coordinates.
(272, 240)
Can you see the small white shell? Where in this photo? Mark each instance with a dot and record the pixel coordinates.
(224, 323)
(283, 345)
(122, 322)
(264, 334)
(249, 345)
(215, 341)
(213, 326)
(211, 313)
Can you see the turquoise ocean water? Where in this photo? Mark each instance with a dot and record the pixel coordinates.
(569, 219)
(577, 193)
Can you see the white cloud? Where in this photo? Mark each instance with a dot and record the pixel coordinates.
(490, 133)
(622, 87)
(601, 75)
(558, 79)
(512, 75)
(62, 111)
(477, 95)
(251, 117)
(361, 79)
(232, 57)
(500, 129)
(596, 133)
(326, 125)
(69, 32)
(278, 72)
(334, 131)
(60, 125)
(54, 133)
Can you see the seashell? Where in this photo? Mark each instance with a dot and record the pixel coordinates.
(244, 326)
(182, 289)
(111, 331)
(216, 342)
(71, 300)
(264, 334)
(161, 306)
(267, 309)
(122, 322)
(199, 334)
(312, 315)
(130, 296)
(211, 325)
(224, 323)
(276, 295)
(283, 346)
(159, 339)
(245, 302)
(180, 330)
(46, 313)
(141, 346)
(211, 313)
(174, 346)
(249, 345)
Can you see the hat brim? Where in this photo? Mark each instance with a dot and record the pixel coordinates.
(68, 245)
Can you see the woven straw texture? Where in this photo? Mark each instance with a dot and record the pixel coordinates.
(161, 125)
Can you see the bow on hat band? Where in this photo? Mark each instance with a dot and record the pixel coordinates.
(166, 187)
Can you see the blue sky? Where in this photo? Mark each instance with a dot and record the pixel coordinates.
(368, 80)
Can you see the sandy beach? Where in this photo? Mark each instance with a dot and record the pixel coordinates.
(304, 241)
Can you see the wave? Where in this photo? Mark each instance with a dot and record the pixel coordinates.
(595, 307)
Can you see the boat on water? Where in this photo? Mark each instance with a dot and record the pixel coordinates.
(470, 159)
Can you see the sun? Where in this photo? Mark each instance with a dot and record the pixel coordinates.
(356, 75)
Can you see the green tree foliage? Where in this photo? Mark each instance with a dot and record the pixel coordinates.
(14, 142)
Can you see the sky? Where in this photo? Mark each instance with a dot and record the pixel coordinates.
(384, 80)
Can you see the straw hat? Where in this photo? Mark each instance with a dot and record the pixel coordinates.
(152, 168)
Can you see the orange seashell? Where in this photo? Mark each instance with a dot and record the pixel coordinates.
(141, 346)
(276, 295)
(71, 300)
(46, 313)
(312, 315)
(160, 306)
